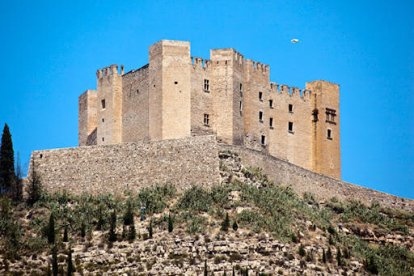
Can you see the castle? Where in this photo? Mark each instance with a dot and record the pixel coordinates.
(177, 96)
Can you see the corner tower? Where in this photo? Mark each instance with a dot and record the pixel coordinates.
(109, 105)
(326, 158)
(227, 87)
(169, 90)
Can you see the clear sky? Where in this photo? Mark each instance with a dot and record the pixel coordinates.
(50, 51)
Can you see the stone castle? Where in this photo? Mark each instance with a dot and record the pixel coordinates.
(177, 96)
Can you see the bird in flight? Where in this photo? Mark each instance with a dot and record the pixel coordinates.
(294, 40)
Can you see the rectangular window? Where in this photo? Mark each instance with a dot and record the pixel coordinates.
(206, 85)
(261, 116)
(271, 122)
(329, 134)
(241, 88)
(330, 115)
(290, 127)
(290, 108)
(271, 103)
(263, 140)
(103, 103)
(315, 113)
(206, 120)
(241, 107)
(260, 96)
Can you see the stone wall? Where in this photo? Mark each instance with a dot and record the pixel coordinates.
(321, 186)
(129, 166)
(135, 105)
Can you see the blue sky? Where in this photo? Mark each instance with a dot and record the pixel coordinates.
(50, 51)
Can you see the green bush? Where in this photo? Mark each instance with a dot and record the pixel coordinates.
(195, 199)
(155, 199)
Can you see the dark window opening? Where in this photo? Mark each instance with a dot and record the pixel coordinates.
(103, 104)
(206, 85)
(241, 88)
(260, 116)
(206, 120)
(103, 120)
(315, 113)
(330, 115)
(263, 140)
(261, 96)
(176, 82)
(291, 108)
(271, 103)
(103, 139)
(290, 127)
(271, 122)
(329, 134)
(41, 155)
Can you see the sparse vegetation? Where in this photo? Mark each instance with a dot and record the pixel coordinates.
(262, 210)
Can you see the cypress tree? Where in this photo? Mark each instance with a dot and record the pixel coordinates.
(339, 256)
(329, 254)
(234, 272)
(18, 182)
(323, 255)
(51, 229)
(170, 224)
(150, 229)
(205, 268)
(226, 223)
(129, 214)
(71, 268)
(235, 226)
(35, 187)
(112, 228)
(65, 233)
(132, 234)
(83, 229)
(7, 175)
(54, 261)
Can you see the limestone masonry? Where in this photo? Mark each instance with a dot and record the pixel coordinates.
(178, 96)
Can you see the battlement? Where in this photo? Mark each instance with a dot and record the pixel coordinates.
(110, 70)
(200, 62)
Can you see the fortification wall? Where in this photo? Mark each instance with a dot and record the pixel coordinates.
(201, 97)
(129, 166)
(135, 105)
(322, 187)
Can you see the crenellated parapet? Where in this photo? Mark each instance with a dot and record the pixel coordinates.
(113, 69)
(198, 62)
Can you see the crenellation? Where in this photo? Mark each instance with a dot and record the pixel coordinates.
(177, 95)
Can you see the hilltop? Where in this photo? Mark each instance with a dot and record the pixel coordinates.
(270, 230)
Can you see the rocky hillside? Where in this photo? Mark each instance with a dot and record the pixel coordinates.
(247, 225)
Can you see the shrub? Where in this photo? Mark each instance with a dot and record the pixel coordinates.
(195, 199)
(301, 250)
(54, 261)
(154, 199)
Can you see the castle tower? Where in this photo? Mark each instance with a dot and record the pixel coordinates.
(227, 86)
(109, 105)
(169, 90)
(87, 118)
(325, 128)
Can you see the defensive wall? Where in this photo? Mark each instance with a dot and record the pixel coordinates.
(128, 166)
(182, 162)
(321, 186)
